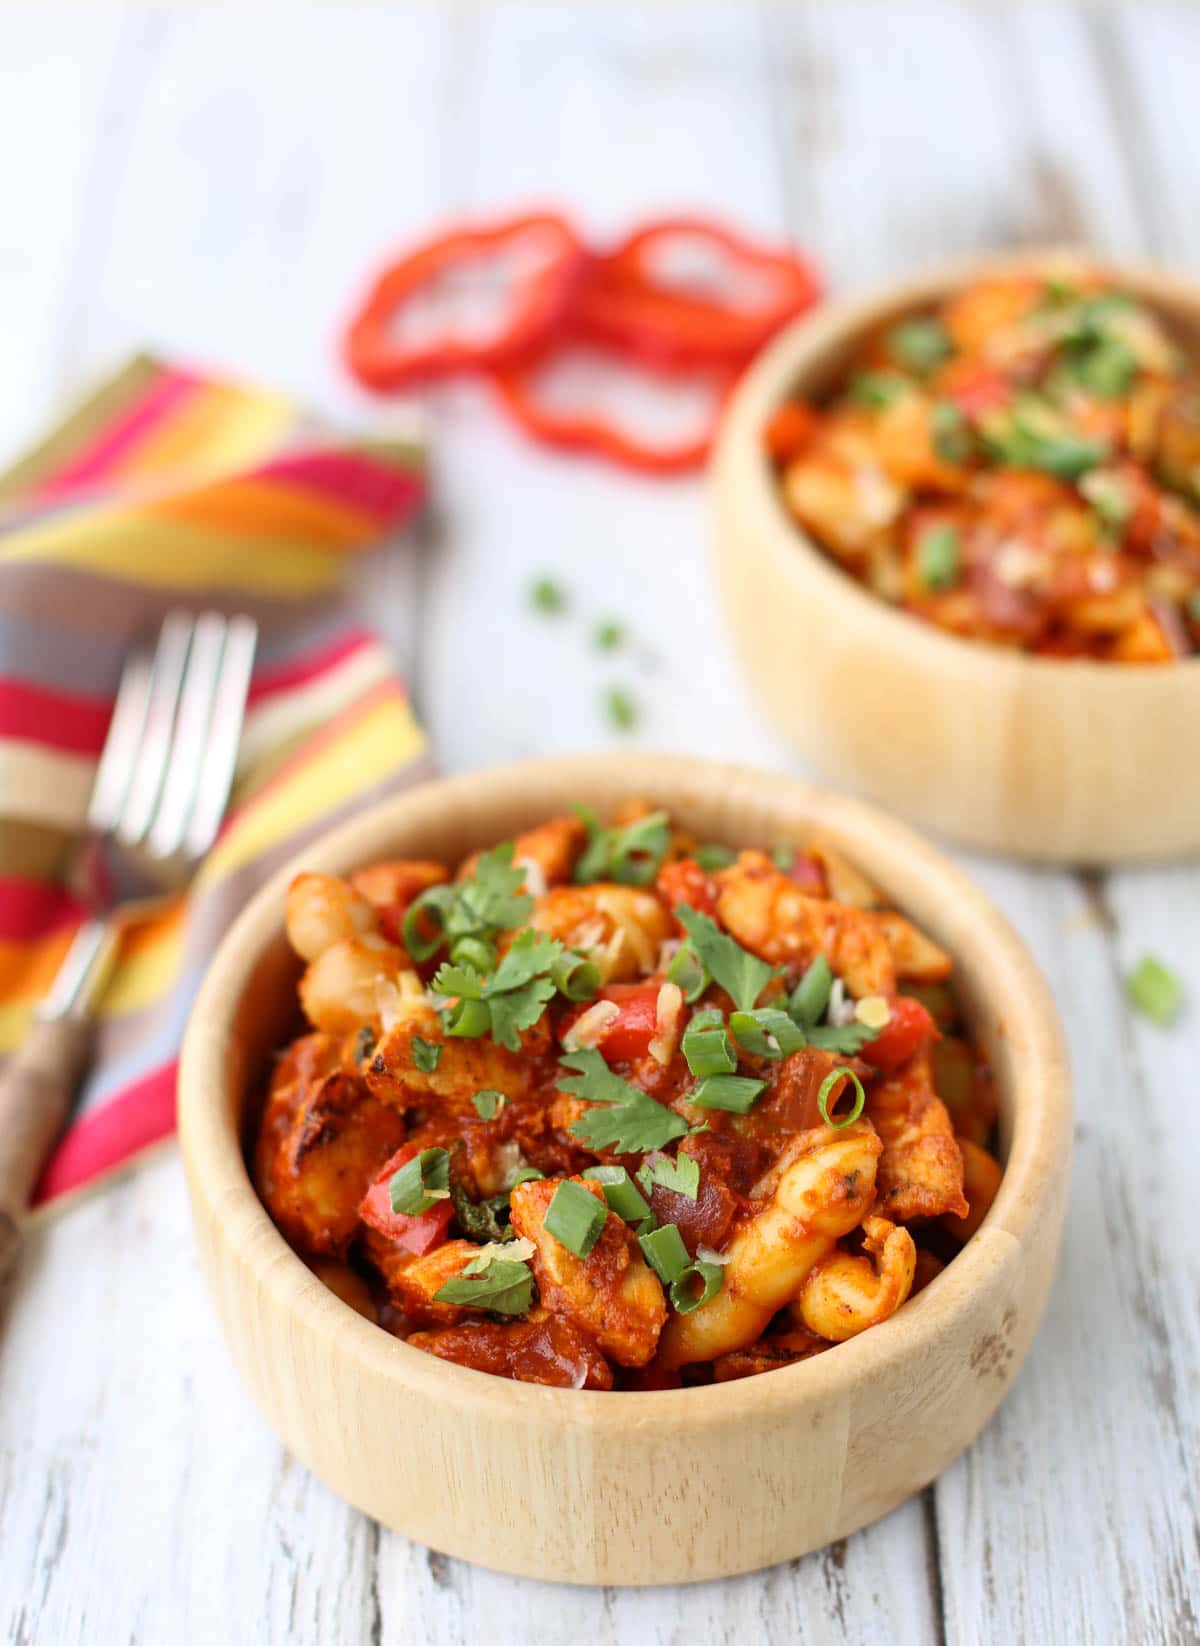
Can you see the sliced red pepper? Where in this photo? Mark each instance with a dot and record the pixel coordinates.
(905, 1032)
(684, 881)
(807, 872)
(593, 433)
(538, 302)
(415, 1234)
(629, 303)
(630, 1033)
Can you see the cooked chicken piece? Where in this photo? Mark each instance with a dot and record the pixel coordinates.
(413, 1282)
(318, 1150)
(550, 850)
(619, 926)
(981, 1181)
(544, 1348)
(344, 987)
(397, 1075)
(611, 1294)
(921, 1168)
(917, 958)
(393, 886)
(770, 915)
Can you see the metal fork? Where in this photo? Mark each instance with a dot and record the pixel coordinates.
(157, 802)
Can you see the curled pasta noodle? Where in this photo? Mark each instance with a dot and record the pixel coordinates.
(845, 1293)
(321, 910)
(825, 1182)
(340, 990)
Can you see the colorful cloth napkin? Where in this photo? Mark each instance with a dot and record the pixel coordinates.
(167, 488)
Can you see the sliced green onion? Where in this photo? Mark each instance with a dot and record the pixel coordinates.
(575, 1218)
(810, 998)
(938, 557)
(832, 1079)
(665, 1252)
(920, 344)
(647, 1225)
(621, 1192)
(467, 1019)
(712, 857)
(488, 1103)
(734, 1093)
(638, 850)
(620, 708)
(608, 635)
(1193, 605)
(547, 597)
(426, 1054)
(950, 433)
(420, 1183)
(706, 1045)
(430, 907)
(685, 1298)
(476, 952)
(688, 973)
(766, 1032)
(877, 389)
(575, 976)
(528, 1174)
(1154, 990)
(1107, 368)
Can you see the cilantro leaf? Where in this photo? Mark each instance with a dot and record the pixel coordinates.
(741, 974)
(530, 955)
(512, 999)
(681, 1175)
(518, 1009)
(503, 1287)
(625, 1118)
(463, 981)
(493, 897)
(845, 1039)
(427, 1054)
(632, 856)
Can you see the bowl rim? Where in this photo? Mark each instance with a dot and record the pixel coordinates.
(798, 348)
(1039, 1147)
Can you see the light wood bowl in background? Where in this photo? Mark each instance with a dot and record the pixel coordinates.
(1065, 761)
(629, 1488)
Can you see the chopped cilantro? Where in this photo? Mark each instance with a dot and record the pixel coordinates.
(624, 1118)
(878, 389)
(620, 708)
(632, 855)
(681, 1175)
(938, 557)
(488, 1104)
(1154, 990)
(950, 433)
(426, 1054)
(490, 901)
(920, 344)
(500, 1286)
(512, 999)
(741, 974)
(547, 597)
(608, 635)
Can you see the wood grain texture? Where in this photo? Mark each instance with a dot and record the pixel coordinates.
(588, 1488)
(140, 1492)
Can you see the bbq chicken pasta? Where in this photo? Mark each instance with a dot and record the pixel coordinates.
(612, 1107)
(1021, 465)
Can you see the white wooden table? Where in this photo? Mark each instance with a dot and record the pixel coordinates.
(215, 184)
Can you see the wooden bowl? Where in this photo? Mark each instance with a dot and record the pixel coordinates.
(631, 1488)
(1066, 761)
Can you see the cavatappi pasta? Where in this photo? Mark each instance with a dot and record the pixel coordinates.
(617, 1108)
(1019, 465)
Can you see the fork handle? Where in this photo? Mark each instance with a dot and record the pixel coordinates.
(37, 1088)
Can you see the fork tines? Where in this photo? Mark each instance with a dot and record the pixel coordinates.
(168, 762)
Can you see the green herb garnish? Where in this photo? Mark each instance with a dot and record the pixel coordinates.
(919, 344)
(575, 976)
(575, 1218)
(938, 557)
(501, 1286)
(827, 1090)
(878, 390)
(426, 1054)
(686, 972)
(624, 1119)
(681, 1175)
(706, 1045)
(684, 1297)
(809, 1000)
(490, 901)
(547, 597)
(420, 1183)
(741, 974)
(843, 1039)
(735, 1094)
(512, 999)
(480, 1219)
(766, 1032)
(1155, 990)
(488, 1103)
(1035, 436)
(608, 635)
(713, 857)
(621, 1192)
(950, 433)
(632, 855)
(620, 708)
(665, 1252)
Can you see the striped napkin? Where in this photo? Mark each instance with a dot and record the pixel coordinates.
(169, 488)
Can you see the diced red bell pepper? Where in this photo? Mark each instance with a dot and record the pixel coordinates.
(807, 873)
(686, 882)
(415, 1234)
(909, 1027)
(631, 1032)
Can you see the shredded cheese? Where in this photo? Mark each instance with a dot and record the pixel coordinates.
(666, 1023)
(535, 875)
(707, 1255)
(592, 1026)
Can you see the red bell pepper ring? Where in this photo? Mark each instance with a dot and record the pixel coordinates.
(630, 304)
(416, 1234)
(592, 433)
(538, 302)
(909, 1026)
